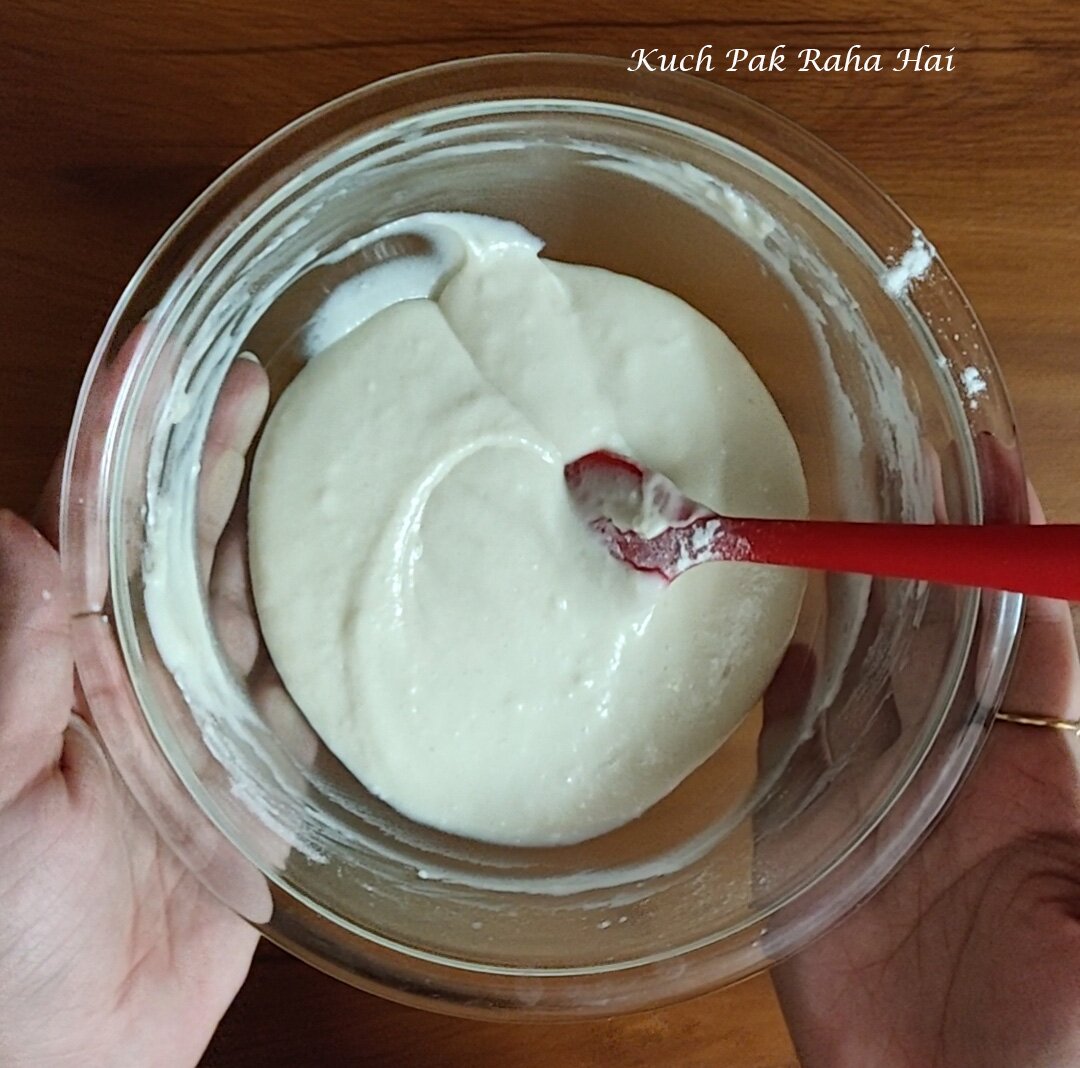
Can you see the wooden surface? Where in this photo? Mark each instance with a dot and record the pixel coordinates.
(115, 113)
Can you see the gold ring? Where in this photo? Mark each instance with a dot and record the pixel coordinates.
(1071, 725)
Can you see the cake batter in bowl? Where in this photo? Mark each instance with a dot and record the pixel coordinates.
(791, 813)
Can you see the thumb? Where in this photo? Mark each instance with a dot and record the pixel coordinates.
(36, 666)
(1045, 679)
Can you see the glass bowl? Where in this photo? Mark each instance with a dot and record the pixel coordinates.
(872, 354)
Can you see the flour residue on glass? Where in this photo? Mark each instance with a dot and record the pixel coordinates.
(973, 385)
(912, 266)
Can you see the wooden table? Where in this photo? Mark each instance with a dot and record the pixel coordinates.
(114, 114)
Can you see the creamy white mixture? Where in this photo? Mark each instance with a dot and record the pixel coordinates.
(450, 627)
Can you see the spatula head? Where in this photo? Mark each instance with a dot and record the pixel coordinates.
(607, 485)
(641, 516)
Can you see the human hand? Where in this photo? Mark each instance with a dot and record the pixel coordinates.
(970, 955)
(111, 952)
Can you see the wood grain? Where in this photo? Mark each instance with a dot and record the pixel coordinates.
(288, 1014)
(114, 114)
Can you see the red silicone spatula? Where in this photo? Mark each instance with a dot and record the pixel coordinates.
(646, 521)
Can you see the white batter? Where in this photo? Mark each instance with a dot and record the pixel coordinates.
(450, 627)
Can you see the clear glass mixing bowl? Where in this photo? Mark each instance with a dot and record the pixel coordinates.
(889, 388)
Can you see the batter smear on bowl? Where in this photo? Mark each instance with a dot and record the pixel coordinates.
(451, 628)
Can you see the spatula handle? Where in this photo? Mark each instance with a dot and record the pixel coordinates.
(1043, 560)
